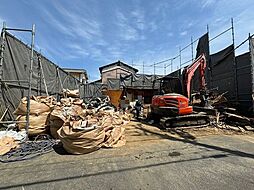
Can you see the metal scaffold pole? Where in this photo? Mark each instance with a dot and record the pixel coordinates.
(2, 47)
(180, 58)
(30, 80)
(1, 64)
(171, 65)
(154, 69)
(2, 50)
(251, 49)
(192, 53)
(42, 74)
(235, 63)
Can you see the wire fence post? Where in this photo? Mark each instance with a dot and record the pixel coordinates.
(30, 80)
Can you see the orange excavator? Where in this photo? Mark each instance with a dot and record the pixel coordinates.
(172, 107)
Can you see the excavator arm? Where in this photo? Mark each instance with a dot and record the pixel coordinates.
(199, 63)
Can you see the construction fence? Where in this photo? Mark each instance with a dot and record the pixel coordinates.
(227, 73)
(47, 77)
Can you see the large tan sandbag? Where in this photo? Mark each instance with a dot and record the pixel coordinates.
(54, 126)
(38, 123)
(61, 114)
(57, 113)
(115, 137)
(71, 93)
(36, 108)
(76, 141)
(48, 100)
(56, 121)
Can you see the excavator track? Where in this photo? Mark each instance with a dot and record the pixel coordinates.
(192, 120)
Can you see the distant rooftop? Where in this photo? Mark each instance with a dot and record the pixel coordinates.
(72, 70)
(118, 63)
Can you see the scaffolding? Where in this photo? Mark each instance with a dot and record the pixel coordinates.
(32, 31)
(170, 63)
(25, 72)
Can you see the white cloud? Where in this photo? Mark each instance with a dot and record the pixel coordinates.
(207, 3)
(55, 23)
(184, 33)
(139, 18)
(127, 32)
(170, 34)
(80, 25)
(153, 26)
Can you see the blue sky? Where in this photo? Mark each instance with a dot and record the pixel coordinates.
(91, 33)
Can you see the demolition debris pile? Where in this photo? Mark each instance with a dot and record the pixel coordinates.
(81, 127)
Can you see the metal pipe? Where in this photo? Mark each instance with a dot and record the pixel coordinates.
(2, 50)
(251, 49)
(8, 122)
(189, 44)
(192, 53)
(154, 69)
(186, 62)
(235, 63)
(2, 59)
(59, 78)
(22, 81)
(220, 34)
(19, 29)
(43, 77)
(233, 32)
(30, 80)
(180, 58)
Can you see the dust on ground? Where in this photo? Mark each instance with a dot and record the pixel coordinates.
(138, 133)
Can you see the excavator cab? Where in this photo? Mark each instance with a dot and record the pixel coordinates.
(170, 101)
(170, 84)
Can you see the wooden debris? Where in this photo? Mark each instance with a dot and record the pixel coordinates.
(7, 144)
(237, 120)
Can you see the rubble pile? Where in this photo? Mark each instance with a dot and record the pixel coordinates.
(86, 127)
(40, 108)
(68, 109)
(82, 127)
(92, 131)
(71, 93)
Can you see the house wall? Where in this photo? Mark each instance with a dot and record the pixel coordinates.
(115, 72)
(79, 76)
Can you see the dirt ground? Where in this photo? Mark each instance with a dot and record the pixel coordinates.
(143, 131)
